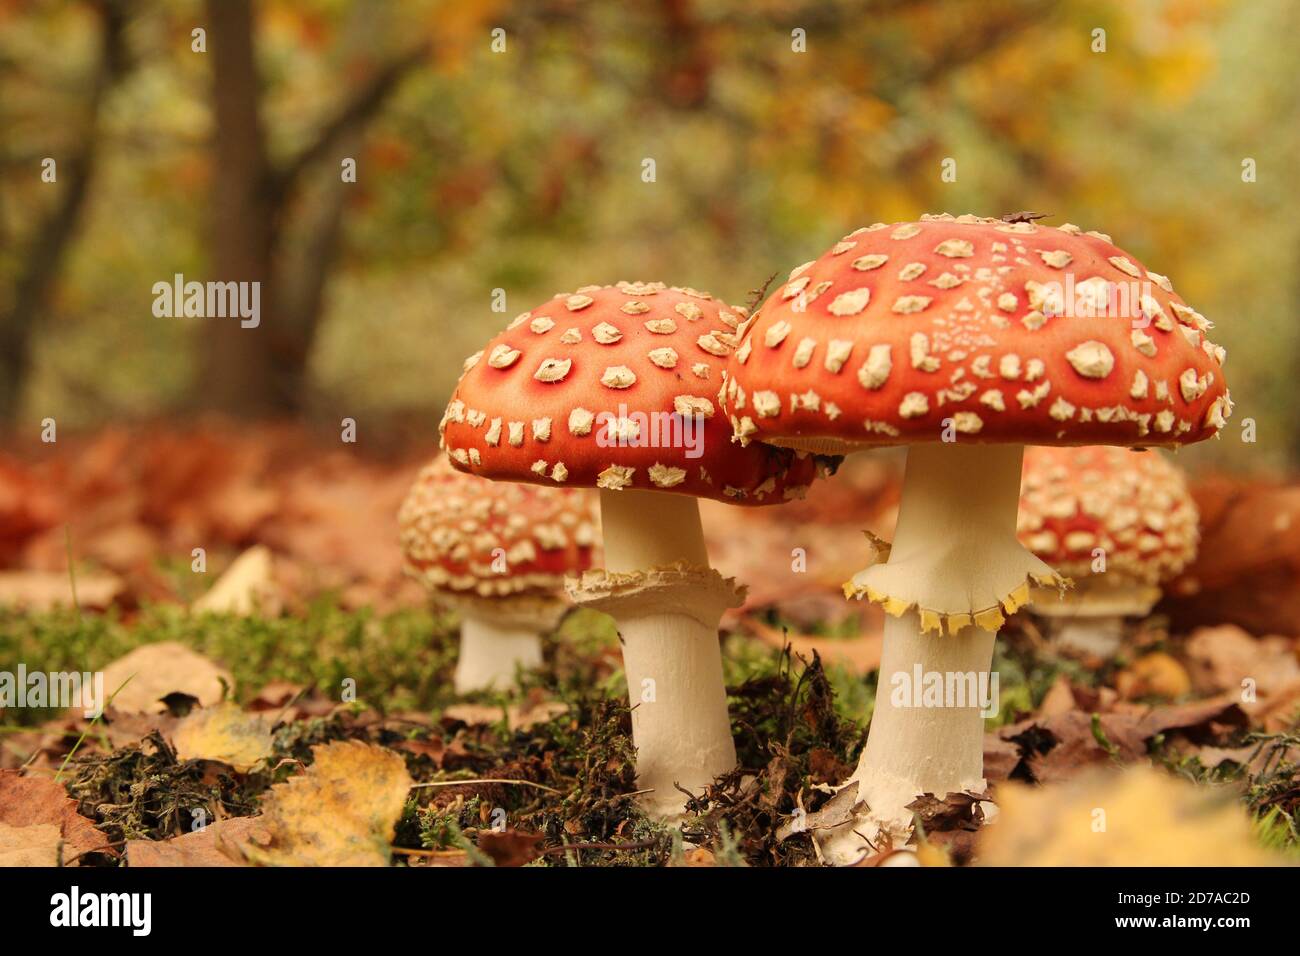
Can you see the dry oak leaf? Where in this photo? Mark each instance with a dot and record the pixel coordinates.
(1137, 817)
(45, 590)
(224, 733)
(139, 681)
(340, 811)
(30, 801)
(523, 715)
(218, 844)
(35, 845)
(246, 586)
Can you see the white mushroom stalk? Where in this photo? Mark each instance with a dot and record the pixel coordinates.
(667, 602)
(954, 568)
(500, 639)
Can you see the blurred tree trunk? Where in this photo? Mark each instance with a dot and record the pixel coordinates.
(237, 372)
(262, 371)
(48, 243)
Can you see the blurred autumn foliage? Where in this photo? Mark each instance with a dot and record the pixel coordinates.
(517, 161)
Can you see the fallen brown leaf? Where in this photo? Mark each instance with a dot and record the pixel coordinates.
(27, 801)
(509, 847)
(248, 585)
(37, 591)
(139, 681)
(218, 844)
(35, 845)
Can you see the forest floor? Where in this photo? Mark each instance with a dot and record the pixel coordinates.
(317, 723)
(545, 775)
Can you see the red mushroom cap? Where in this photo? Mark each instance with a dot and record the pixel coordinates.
(613, 387)
(1004, 332)
(455, 531)
(1135, 506)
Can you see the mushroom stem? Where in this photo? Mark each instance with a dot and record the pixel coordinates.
(671, 653)
(491, 652)
(956, 534)
(1093, 636)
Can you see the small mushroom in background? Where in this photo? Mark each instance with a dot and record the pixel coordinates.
(1118, 523)
(611, 387)
(966, 339)
(498, 554)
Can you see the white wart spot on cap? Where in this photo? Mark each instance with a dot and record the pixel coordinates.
(580, 421)
(913, 405)
(874, 372)
(664, 358)
(615, 477)
(867, 263)
(792, 289)
(837, 353)
(618, 376)
(850, 303)
(767, 404)
(606, 334)
(575, 303)
(803, 352)
(1143, 343)
(711, 344)
(664, 476)
(1091, 359)
(1126, 266)
(690, 406)
(955, 248)
(776, 333)
(909, 304)
(688, 310)
(553, 370)
(503, 356)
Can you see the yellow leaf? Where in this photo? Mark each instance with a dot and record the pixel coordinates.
(224, 733)
(340, 811)
(1139, 817)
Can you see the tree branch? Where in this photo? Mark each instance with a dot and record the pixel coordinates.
(363, 104)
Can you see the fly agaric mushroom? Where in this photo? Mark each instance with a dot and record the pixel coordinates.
(965, 338)
(1116, 521)
(610, 388)
(497, 553)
